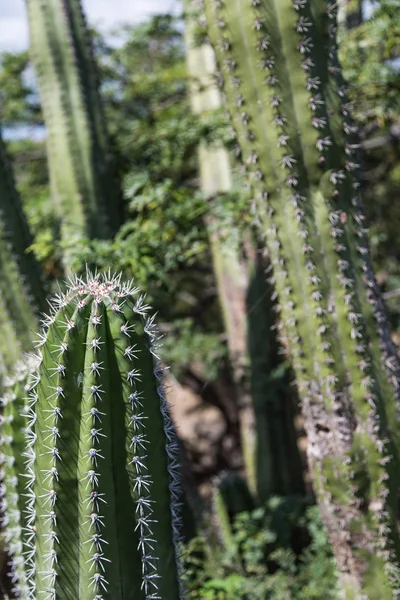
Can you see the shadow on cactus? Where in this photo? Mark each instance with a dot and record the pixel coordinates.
(103, 474)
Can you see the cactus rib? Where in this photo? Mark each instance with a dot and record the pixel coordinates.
(104, 474)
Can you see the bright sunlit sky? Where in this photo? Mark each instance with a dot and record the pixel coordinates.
(105, 14)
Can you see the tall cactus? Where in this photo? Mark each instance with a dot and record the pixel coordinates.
(81, 175)
(230, 497)
(242, 291)
(284, 89)
(22, 291)
(104, 476)
(230, 272)
(12, 459)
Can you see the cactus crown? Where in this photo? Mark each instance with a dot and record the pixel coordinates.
(103, 473)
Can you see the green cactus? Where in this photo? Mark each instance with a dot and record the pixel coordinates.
(280, 471)
(104, 478)
(230, 272)
(12, 460)
(246, 309)
(285, 93)
(22, 290)
(231, 496)
(83, 186)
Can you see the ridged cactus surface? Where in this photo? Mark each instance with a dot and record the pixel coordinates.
(22, 293)
(248, 314)
(104, 476)
(284, 89)
(12, 460)
(82, 182)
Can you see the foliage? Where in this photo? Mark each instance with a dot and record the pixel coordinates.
(369, 52)
(163, 234)
(155, 138)
(284, 552)
(17, 99)
(30, 167)
(187, 344)
(164, 243)
(370, 55)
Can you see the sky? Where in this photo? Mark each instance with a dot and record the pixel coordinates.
(105, 14)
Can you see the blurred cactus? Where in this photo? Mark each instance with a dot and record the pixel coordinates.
(12, 459)
(283, 84)
(22, 293)
(104, 475)
(279, 468)
(235, 494)
(230, 272)
(231, 496)
(223, 527)
(246, 308)
(84, 190)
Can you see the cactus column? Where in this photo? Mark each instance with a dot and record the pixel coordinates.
(242, 290)
(83, 186)
(22, 292)
(286, 96)
(12, 460)
(230, 273)
(104, 476)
